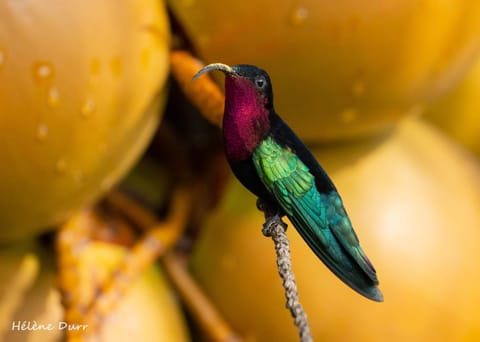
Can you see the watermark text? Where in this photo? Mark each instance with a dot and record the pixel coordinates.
(37, 326)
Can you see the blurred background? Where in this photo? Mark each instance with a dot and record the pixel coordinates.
(112, 173)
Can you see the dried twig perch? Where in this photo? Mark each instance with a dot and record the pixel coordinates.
(198, 304)
(275, 228)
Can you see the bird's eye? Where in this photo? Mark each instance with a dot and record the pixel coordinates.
(260, 82)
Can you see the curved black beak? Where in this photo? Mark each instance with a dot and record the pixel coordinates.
(214, 66)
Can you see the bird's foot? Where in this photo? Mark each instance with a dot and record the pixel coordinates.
(272, 224)
(273, 217)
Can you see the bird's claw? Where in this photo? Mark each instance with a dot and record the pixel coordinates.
(271, 224)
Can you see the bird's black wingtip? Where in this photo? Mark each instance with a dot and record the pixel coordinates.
(374, 294)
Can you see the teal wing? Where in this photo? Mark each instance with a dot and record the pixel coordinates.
(319, 218)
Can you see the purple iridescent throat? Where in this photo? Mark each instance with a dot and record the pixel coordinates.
(245, 121)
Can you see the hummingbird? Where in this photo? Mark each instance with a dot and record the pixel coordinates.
(269, 159)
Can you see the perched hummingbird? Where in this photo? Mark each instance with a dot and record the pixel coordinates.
(270, 160)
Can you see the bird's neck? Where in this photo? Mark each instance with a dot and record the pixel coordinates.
(246, 119)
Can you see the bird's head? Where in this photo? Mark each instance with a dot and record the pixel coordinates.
(245, 84)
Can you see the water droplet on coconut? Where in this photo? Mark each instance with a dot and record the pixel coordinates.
(349, 115)
(42, 71)
(2, 58)
(298, 16)
(53, 97)
(61, 165)
(88, 108)
(42, 132)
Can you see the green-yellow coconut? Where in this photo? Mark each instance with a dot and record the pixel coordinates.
(79, 101)
(414, 200)
(149, 310)
(344, 68)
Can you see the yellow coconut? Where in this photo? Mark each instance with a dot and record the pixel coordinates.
(414, 200)
(340, 68)
(80, 85)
